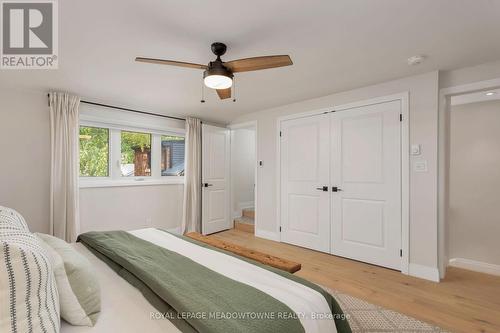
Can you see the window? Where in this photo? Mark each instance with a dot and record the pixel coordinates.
(135, 154)
(113, 155)
(94, 152)
(172, 155)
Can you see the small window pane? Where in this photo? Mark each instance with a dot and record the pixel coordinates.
(172, 155)
(94, 151)
(136, 154)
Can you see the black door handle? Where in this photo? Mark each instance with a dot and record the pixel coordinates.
(207, 185)
(336, 189)
(324, 188)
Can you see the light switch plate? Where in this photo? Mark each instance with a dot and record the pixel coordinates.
(415, 149)
(420, 166)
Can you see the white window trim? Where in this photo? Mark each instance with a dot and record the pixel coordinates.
(114, 179)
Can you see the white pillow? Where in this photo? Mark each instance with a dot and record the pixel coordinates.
(11, 219)
(30, 301)
(79, 292)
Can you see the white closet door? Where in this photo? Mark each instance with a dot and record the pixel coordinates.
(215, 179)
(305, 205)
(366, 169)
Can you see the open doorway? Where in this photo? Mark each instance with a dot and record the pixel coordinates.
(243, 176)
(474, 180)
(470, 178)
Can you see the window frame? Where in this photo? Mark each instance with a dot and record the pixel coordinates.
(115, 177)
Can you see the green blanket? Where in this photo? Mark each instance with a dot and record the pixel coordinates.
(193, 297)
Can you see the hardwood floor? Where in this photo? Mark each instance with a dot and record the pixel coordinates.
(464, 301)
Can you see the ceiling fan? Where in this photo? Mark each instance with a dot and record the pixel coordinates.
(218, 74)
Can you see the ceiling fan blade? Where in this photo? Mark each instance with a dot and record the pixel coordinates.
(171, 63)
(224, 93)
(257, 63)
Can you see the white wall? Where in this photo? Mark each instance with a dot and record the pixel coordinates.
(242, 168)
(25, 155)
(474, 180)
(127, 208)
(423, 91)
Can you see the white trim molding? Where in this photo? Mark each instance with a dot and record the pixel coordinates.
(476, 266)
(424, 272)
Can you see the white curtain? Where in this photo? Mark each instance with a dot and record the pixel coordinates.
(191, 220)
(64, 130)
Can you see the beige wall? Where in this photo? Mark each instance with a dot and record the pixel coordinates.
(131, 207)
(474, 182)
(25, 155)
(423, 91)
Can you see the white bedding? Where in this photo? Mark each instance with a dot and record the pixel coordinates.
(124, 309)
(304, 301)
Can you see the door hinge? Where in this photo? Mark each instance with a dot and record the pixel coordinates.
(280, 229)
(401, 252)
(400, 117)
(280, 133)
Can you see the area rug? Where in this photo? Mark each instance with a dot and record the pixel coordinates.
(365, 317)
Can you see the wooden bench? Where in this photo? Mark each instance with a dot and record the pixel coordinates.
(276, 262)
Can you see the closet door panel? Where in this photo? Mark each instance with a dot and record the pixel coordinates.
(305, 171)
(366, 173)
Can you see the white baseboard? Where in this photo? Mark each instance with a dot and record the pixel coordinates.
(274, 236)
(477, 266)
(424, 272)
(176, 230)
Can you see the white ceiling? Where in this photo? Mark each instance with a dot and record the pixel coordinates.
(335, 45)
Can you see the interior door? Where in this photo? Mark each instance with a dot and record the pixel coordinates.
(366, 183)
(305, 179)
(215, 179)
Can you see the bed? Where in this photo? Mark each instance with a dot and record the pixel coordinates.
(154, 281)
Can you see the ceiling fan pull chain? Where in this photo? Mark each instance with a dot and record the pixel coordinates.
(234, 89)
(202, 92)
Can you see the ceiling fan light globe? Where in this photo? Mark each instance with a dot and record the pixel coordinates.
(218, 81)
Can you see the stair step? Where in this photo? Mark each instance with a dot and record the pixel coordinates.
(249, 212)
(245, 224)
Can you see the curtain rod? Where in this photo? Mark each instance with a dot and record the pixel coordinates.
(129, 110)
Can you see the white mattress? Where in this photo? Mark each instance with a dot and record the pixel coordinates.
(123, 308)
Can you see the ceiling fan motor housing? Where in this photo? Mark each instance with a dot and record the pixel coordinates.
(219, 48)
(217, 68)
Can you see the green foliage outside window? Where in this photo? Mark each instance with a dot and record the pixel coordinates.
(94, 151)
(131, 141)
